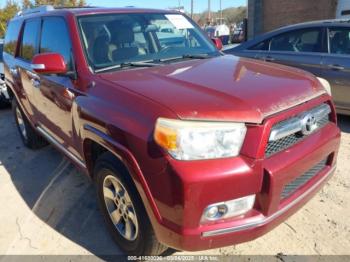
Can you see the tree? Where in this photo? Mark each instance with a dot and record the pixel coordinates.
(68, 3)
(230, 15)
(235, 15)
(10, 10)
(26, 4)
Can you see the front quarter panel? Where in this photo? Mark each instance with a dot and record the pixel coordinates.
(123, 123)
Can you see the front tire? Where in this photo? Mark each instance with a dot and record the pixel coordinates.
(29, 136)
(122, 209)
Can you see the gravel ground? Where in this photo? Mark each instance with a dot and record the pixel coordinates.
(48, 207)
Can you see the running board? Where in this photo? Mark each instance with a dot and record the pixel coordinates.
(59, 146)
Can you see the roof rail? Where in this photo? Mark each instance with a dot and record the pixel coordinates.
(75, 7)
(39, 9)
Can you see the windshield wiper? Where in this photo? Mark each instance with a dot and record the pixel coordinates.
(187, 56)
(138, 64)
(197, 56)
(127, 64)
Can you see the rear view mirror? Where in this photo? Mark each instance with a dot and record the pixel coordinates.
(49, 63)
(217, 42)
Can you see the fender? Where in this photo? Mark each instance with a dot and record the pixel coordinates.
(126, 157)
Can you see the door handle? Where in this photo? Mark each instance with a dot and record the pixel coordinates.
(269, 59)
(336, 67)
(14, 71)
(35, 82)
(32, 75)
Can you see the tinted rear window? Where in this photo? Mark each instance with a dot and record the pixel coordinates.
(30, 39)
(339, 41)
(11, 37)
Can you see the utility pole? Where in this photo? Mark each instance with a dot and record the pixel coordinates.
(192, 9)
(220, 10)
(209, 12)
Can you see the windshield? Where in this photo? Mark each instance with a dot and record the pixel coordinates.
(117, 39)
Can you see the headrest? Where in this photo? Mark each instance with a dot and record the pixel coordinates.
(123, 35)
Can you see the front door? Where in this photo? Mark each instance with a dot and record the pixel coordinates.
(56, 92)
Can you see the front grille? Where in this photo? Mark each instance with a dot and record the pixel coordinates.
(303, 179)
(287, 141)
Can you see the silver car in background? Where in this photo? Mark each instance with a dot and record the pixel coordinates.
(320, 47)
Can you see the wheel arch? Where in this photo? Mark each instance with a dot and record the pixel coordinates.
(96, 142)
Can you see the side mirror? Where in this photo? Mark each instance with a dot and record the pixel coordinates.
(49, 63)
(217, 42)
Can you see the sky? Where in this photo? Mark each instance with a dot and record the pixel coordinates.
(199, 5)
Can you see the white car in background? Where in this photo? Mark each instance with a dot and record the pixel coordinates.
(4, 96)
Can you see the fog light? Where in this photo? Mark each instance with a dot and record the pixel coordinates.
(228, 209)
(212, 212)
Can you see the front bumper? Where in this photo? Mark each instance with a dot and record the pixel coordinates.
(203, 183)
(261, 221)
(271, 211)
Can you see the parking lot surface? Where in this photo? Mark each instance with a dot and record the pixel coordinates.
(47, 207)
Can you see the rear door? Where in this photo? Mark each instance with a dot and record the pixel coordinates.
(9, 52)
(28, 78)
(302, 48)
(336, 66)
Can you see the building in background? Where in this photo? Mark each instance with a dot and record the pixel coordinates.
(343, 9)
(266, 15)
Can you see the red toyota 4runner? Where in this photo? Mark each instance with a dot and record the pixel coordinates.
(189, 148)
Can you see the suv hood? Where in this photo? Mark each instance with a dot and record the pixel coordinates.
(225, 88)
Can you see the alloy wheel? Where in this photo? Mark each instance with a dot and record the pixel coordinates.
(120, 208)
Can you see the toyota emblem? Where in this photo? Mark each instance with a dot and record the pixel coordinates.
(309, 124)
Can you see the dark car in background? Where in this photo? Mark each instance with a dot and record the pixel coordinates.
(320, 47)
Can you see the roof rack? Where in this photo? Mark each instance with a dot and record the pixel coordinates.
(47, 8)
(75, 7)
(39, 9)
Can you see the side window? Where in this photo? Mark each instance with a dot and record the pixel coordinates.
(305, 40)
(11, 37)
(55, 39)
(262, 46)
(30, 39)
(339, 41)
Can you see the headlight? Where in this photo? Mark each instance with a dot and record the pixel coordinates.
(194, 140)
